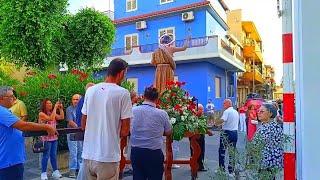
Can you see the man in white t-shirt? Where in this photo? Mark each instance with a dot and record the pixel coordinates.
(210, 112)
(106, 113)
(229, 135)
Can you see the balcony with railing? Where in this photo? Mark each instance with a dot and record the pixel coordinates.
(211, 49)
(253, 73)
(252, 50)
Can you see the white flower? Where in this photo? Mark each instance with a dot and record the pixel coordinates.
(173, 120)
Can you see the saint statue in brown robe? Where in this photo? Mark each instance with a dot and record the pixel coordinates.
(162, 59)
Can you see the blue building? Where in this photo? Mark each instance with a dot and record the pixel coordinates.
(209, 66)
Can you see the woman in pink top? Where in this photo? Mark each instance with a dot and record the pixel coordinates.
(50, 115)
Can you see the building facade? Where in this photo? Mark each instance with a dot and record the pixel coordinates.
(258, 77)
(209, 66)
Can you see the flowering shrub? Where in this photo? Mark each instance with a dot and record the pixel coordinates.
(182, 111)
(39, 85)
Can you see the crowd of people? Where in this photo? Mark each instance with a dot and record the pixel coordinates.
(107, 112)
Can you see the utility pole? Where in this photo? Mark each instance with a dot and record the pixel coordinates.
(289, 127)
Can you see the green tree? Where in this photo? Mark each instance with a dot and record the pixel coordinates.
(28, 30)
(90, 36)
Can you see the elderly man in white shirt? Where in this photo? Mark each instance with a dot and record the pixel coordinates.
(229, 135)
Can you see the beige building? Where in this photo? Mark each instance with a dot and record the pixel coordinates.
(258, 78)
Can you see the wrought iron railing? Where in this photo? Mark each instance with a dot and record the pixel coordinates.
(148, 48)
(120, 52)
(238, 56)
(226, 47)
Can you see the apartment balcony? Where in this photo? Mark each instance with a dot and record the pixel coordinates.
(252, 50)
(211, 49)
(249, 76)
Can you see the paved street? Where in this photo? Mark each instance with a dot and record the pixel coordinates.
(32, 170)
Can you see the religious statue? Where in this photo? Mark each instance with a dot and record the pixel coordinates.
(162, 59)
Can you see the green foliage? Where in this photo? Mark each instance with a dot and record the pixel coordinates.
(28, 30)
(128, 85)
(52, 86)
(40, 34)
(90, 36)
(248, 160)
(6, 80)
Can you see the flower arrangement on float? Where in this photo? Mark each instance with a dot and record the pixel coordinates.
(182, 110)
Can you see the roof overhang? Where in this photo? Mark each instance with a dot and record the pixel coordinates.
(249, 27)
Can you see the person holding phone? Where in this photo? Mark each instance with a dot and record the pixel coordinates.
(50, 114)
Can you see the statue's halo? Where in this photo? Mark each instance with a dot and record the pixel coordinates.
(166, 39)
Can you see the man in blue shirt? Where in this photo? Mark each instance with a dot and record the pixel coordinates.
(80, 105)
(12, 152)
(75, 147)
(81, 174)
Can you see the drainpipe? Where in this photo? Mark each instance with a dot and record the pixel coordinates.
(254, 76)
(226, 75)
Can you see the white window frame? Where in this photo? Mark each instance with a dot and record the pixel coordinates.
(130, 35)
(167, 1)
(217, 89)
(129, 10)
(166, 29)
(135, 81)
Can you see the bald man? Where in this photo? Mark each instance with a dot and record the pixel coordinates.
(74, 146)
(229, 135)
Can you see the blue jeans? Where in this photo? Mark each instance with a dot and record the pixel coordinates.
(52, 151)
(13, 172)
(228, 139)
(75, 151)
(147, 163)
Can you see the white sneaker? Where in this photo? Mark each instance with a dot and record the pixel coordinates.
(44, 176)
(175, 166)
(56, 174)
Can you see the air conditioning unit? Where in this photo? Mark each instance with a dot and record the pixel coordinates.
(187, 16)
(141, 25)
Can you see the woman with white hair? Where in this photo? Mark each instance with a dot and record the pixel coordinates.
(162, 58)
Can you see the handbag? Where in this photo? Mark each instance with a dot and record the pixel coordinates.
(39, 146)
